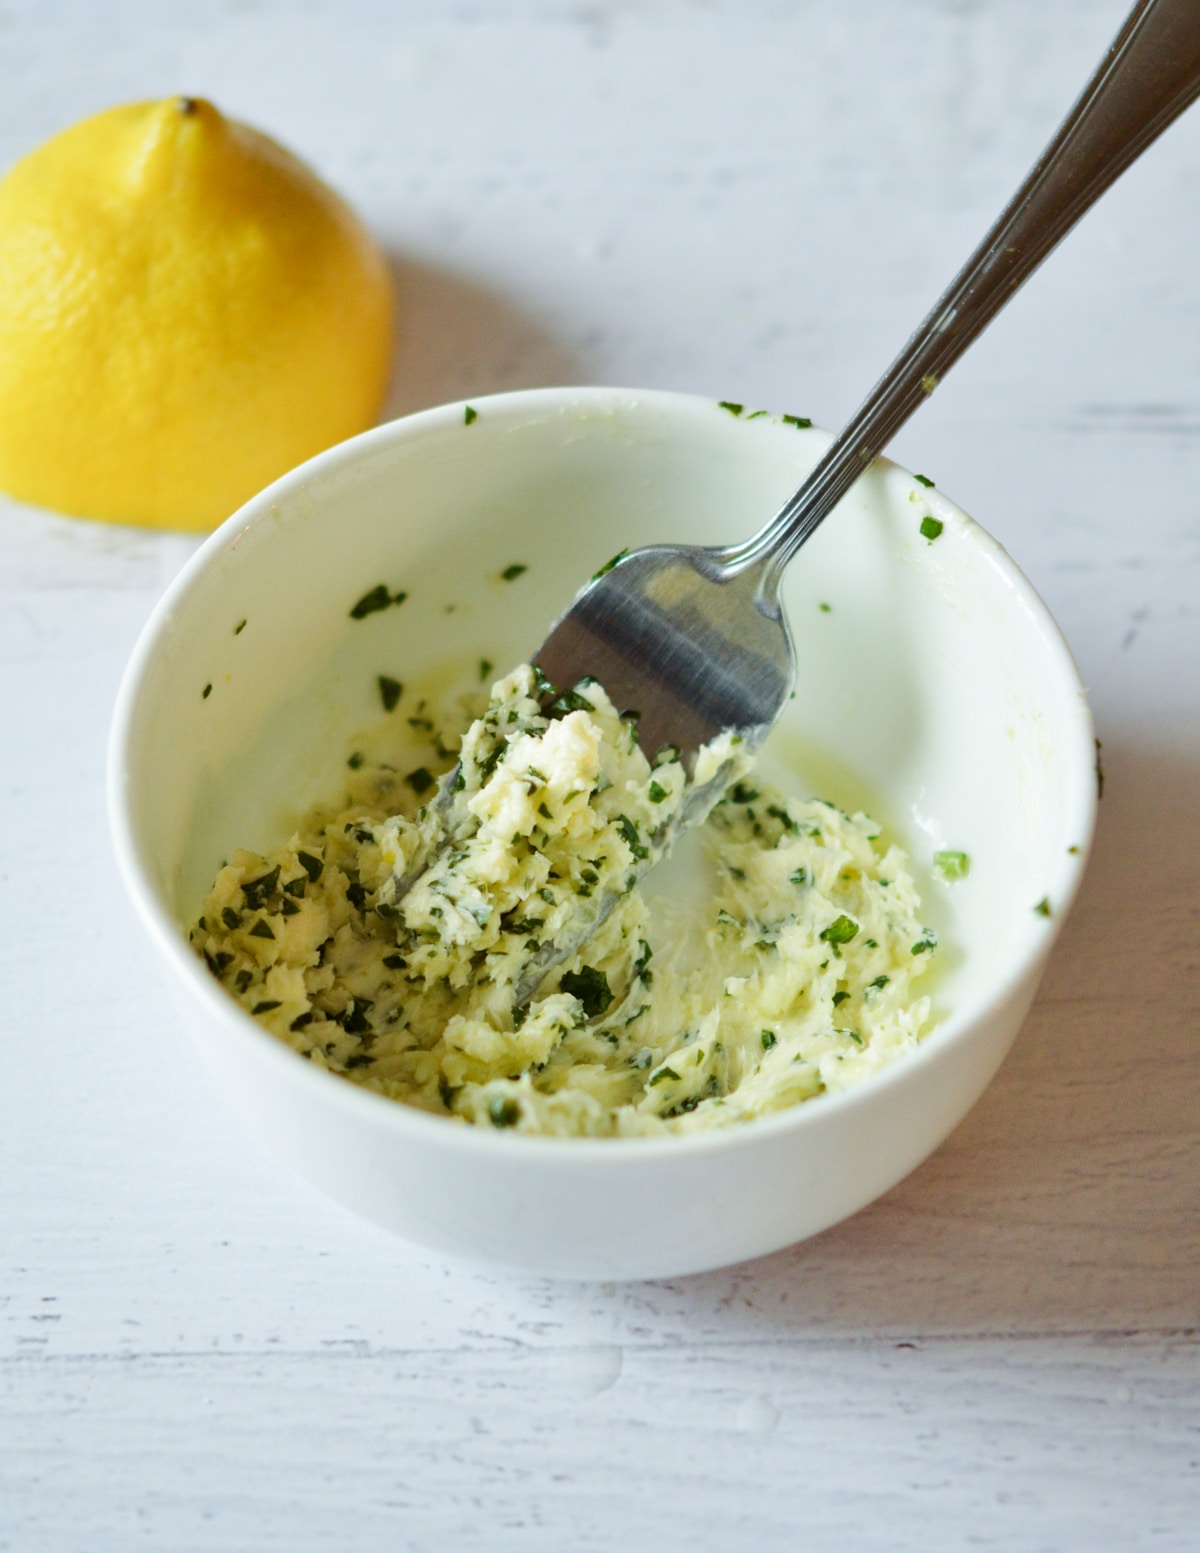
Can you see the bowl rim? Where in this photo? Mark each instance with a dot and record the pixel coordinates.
(434, 1131)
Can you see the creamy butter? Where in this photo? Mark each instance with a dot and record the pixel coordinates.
(388, 942)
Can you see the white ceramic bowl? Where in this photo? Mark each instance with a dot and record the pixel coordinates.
(935, 687)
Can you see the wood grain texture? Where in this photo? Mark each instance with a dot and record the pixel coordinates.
(721, 1445)
(754, 201)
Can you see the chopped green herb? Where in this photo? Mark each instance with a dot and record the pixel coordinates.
(692, 1101)
(261, 929)
(485, 668)
(800, 421)
(544, 811)
(591, 987)
(802, 877)
(568, 701)
(470, 416)
(376, 599)
(297, 886)
(952, 865)
(755, 415)
(355, 761)
(1043, 907)
(266, 1006)
(632, 837)
(662, 1075)
(359, 1060)
(924, 480)
(742, 792)
(395, 962)
(768, 1040)
(728, 404)
(301, 1021)
(880, 982)
(657, 792)
(258, 890)
(608, 565)
(931, 528)
(239, 628)
(206, 692)
(288, 907)
(927, 942)
(840, 931)
(825, 608)
(511, 573)
(504, 1111)
(839, 997)
(871, 944)
(312, 866)
(419, 780)
(231, 918)
(390, 691)
(354, 1020)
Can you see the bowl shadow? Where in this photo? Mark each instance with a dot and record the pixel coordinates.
(456, 338)
(1069, 1197)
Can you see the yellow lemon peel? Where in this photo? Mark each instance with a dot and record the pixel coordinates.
(186, 312)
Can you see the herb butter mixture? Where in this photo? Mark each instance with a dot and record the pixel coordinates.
(399, 940)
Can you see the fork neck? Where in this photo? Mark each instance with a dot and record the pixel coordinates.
(764, 555)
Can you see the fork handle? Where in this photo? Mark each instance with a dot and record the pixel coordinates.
(1149, 76)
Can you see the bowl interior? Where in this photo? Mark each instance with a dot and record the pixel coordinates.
(933, 690)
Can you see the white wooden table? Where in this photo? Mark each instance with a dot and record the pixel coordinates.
(755, 201)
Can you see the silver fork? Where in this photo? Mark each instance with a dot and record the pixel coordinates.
(695, 639)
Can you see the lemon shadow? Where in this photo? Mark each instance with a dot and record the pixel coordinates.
(456, 338)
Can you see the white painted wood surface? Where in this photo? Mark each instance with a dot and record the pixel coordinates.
(751, 200)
